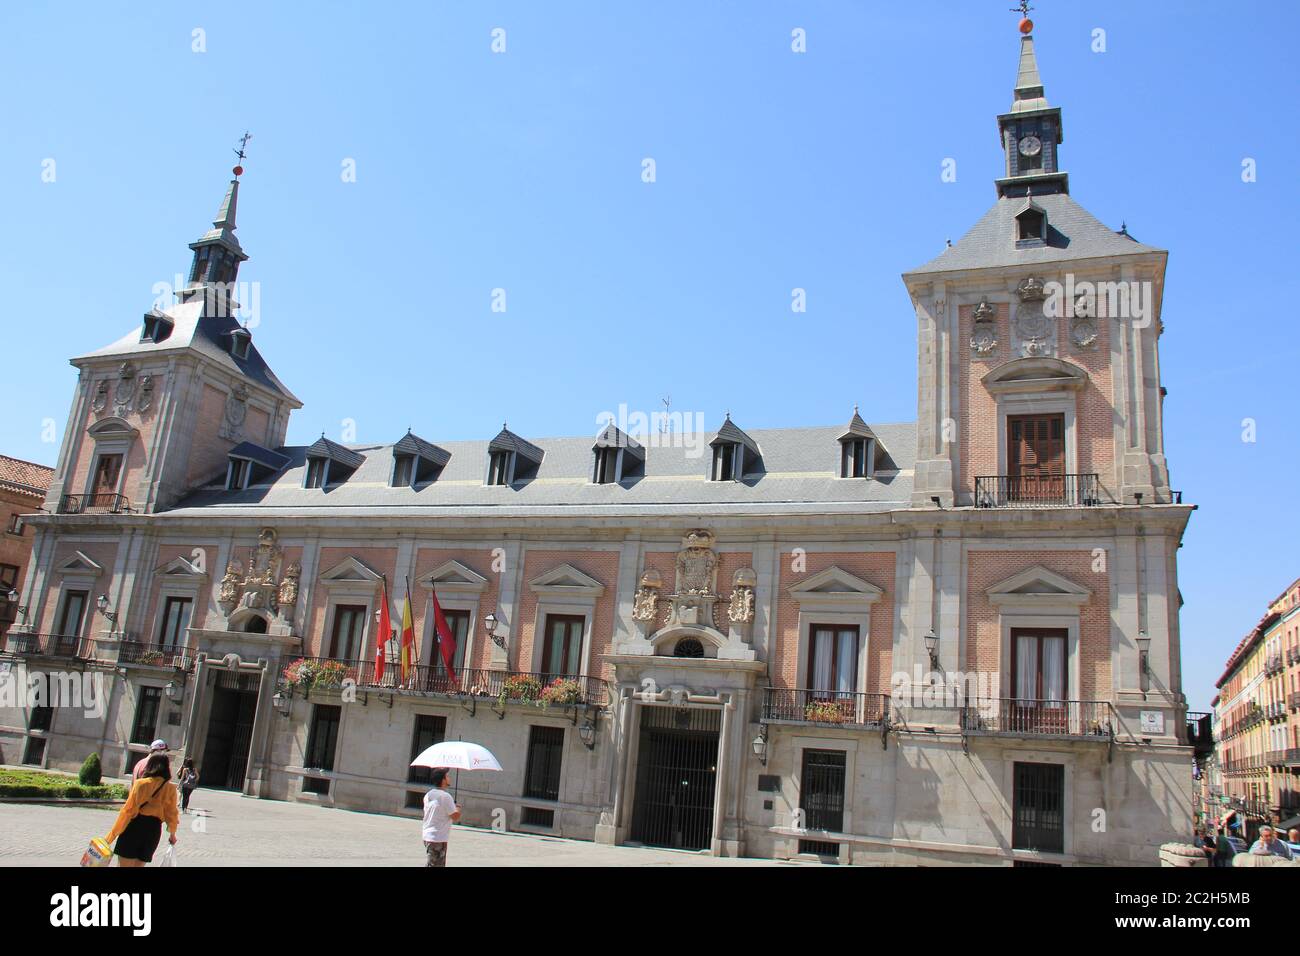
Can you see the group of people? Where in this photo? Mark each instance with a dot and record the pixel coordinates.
(154, 800)
(1219, 849)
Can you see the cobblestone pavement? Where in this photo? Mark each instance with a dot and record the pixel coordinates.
(227, 829)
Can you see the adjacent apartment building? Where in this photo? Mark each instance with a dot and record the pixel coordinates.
(947, 641)
(1257, 713)
(23, 486)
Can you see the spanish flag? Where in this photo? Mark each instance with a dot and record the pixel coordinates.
(408, 637)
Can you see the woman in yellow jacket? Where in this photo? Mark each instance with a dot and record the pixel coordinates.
(138, 827)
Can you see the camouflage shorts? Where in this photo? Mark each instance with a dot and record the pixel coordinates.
(436, 854)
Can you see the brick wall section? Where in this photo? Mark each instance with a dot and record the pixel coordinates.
(873, 567)
(149, 626)
(977, 435)
(480, 561)
(102, 553)
(15, 549)
(137, 458)
(379, 560)
(208, 453)
(984, 569)
(601, 565)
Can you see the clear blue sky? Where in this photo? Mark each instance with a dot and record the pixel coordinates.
(522, 171)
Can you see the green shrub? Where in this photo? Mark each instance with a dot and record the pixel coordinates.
(91, 773)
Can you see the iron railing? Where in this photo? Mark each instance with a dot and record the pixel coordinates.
(98, 502)
(1294, 701)
(153, 655)
(1200, 732)
(327, 673)
(1037, 491)
(844, 708)
(53, 645)
(1018, 717)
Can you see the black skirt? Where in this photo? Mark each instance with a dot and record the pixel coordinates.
(140, 838)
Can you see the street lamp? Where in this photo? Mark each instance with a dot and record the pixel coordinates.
(103, 606)
(588, 734)
(1144, 659)
(490, 625)
(932, 648)
(760, 746)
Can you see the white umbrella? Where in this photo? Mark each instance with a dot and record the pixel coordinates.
(457, 755)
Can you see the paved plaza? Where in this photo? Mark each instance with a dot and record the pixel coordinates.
(227, 829)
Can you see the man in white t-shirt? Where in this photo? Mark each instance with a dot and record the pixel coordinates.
(440, 812)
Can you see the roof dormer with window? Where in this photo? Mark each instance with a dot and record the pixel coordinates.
(616, 457)
(735, 454)
(416, 462)
(511, 459)
(329, 463)
(861, 451)
(250, 464)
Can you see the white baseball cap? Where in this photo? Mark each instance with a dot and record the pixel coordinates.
(158, 745)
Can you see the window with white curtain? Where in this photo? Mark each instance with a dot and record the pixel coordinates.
(833, 659)
(1039, 664)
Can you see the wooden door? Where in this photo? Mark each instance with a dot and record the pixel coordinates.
(1036, 457)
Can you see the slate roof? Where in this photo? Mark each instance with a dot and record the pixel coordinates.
(345, 456)
(1072, 233)
(208, 335)
(25, 477)
(414, 445)
(507, 440)
(802, 468)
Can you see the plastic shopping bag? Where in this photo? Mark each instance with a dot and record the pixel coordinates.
(99, 853)
(169, 858)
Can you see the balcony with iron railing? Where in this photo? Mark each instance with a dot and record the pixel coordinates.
(154, 655)
(1200, 733)
(1293, 655)
(1273, 664)
(1294, 700)
(97, 503)
(1016, 717)
(1292, 758)
(1038, 491)
(834, 708)
(1276, 758)
(70, 647)
(329, 674)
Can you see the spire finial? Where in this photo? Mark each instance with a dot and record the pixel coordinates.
(1026, 24)
(241, 152)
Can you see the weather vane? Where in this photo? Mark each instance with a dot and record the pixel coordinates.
(243, 143)
(1023, 9)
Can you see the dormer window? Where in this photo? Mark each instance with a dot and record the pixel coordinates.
(512, 459)
(237, 474)
(240, 340)
(416, 461)
(500, 466)
(616, 456)
(329, 463)
(157, 327)
(735, 454)
(251, 464)
(317, 470)
(860, 450)
(1029, 225)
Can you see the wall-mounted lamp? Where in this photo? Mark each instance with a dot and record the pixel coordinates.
(760, 745)
(103, 606)
(175, 692)
(1137, 496)
(587, 733)
(1144, 659)
(11, 596)
(282, 703)
(938, 503)
(490, 625)
(932, 648)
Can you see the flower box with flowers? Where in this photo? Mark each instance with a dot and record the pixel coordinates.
(562, 690)
(315, 675)
(829, 711)
(518, 687)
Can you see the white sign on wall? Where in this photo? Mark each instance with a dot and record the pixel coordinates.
(1153, 722)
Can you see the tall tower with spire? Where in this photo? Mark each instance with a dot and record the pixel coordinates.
(157, 411)
(1039, 310)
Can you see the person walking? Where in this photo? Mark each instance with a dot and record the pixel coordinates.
(1223, 849)
(138, 827)
(188, 778)
(1269, 845)
(440, 812)
(157, 747)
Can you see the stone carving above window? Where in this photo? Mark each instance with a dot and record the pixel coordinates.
(741, 608)
(1033, 333)
(645, 606)
(261, 588)
(984, 331)
(124, 390)
(232, 422)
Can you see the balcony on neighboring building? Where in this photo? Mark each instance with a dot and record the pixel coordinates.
(836, 708)
(1200, 733)
(98, 503)
(1294, 700)
(1010, 717)
(1273, 665)
(1293, 655)
(1038, 491)
(423, 680)
(1292, 758)
(1276, 758)
(69, 647)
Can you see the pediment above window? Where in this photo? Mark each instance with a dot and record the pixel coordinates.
(351, 571)
(835, 586)
(453, 577)
(1037, 586)
(109, 429)
(179, 568)
(78, 563)
(567, 580)
(1037, 374)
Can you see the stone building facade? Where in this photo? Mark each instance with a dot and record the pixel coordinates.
(23, 486)
(951, 641)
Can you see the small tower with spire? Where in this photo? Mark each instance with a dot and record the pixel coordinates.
(217, 253)
(1031, 131)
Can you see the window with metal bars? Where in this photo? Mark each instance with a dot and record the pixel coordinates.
(323, 737)
(545, 753)
(1038, 808)
(429, 730)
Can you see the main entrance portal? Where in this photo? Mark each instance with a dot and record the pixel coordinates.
(230, 731)
(677, 769)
